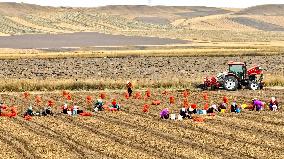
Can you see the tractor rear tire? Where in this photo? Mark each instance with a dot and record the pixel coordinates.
(253, 85)
(231, 83)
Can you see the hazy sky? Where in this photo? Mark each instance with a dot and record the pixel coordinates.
(93, 3)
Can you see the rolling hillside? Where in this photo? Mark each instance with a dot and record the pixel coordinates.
(259, 23)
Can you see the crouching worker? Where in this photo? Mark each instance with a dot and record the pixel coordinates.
(234, 106)
(184, 113)
(29, 111)
(273, 104)
(99, 105)
(192, 109)
(65, 109)
(114, 106)
(165, 113)
(212, 108)
(47, 111)
(222, 106)
(257, 104)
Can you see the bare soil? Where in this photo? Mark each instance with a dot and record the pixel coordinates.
(131, 67)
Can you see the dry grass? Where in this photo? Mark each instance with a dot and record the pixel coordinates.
(168, 51)
(19, 85)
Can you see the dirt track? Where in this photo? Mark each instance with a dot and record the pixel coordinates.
(130, 67)
(83, 39)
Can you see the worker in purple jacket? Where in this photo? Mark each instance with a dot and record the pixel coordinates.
(257, 104)
(165, 113)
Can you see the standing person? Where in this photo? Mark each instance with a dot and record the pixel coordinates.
(1, 107)
(129, 88)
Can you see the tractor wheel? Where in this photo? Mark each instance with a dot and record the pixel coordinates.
(231, 83)
(253, 85)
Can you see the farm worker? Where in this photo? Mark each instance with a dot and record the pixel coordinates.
(273, 104)
(47, 111)
(99, 105)
(238, 109)
(75, 109)
(1, 107)
(115, 105)
(65, 108)
(192, 109)
(129, 88)
(257, 104)
(234, 106)
(222, 106)
(165, 113)
(183, 112)
(29, 111)
(212, 108)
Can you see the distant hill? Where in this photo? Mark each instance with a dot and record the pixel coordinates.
(272, 10)
(16, 9)
(176, 22)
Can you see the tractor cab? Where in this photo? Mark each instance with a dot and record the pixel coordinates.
(238, 69)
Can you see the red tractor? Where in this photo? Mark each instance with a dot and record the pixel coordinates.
(238, 76)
